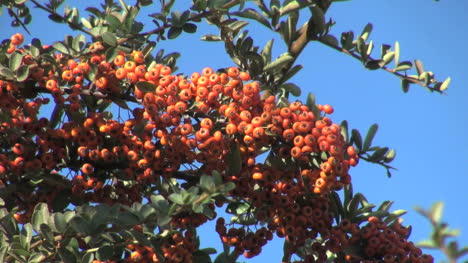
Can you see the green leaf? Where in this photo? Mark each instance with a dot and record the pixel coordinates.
(347, 40)
(206, 183)
(378, 155)
(211, 37)
(62, 48)
(344, 130)
(387, 58)
(397, 52)
(373, 64)
(236, 26)
(356, 139)
(47, 233)
(40, 216)
(66, 255)
(419, 66)
(279, 62)
(177, 198)
(369, 137)
(79, 42)
(22, 73)
(104, 252)
(366, 32)
(390, 156)
(26, 236)
(292, 88)
(109, 38)
(15, 61)
(266, 52)
(201, 256)
(190, 28)
(436, 211)
(86, 23)
(7, 73)
(145, 86)
(113, 21)
(174, 32)
(237, 208)
(329, 40)
(234, 159)
(3, 252)
(405, 65)
(252, 14)
(426, 244)
(405, 85)
(88, 257)
(445, 84)
(80, 225)
(317, 20)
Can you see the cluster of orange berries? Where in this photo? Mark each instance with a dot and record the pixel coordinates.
(177, 248)
(182, 122)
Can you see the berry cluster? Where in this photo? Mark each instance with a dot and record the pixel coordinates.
(178, 127)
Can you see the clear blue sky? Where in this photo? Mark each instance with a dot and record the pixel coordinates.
(427, 130)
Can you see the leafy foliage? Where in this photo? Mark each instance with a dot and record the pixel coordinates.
(133, 158)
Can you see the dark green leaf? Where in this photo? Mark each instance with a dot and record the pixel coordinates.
(292, 88)
(109, 38)
(80, 225)
(317, 21)
(60, 47)
(356, 139)
(26, 236)
(111, 53)
(79, 42)
(378, 155)
(237, 208)
(46, 232)
(7, 73)
(104, 253)
(347, 40)
(174, 32)
(252, 14)
(88, 257)
(390, 156)
(329, 40)
(66, 255)
(279, 62)
(405, 65)
(177, 198)
(369, 137)
(113, 21)
(234, 159)
(366, 32)
(344, 130)
(201, 256)
(40, 215)
(190, 28)
(206, 183)
(374, 64)
(145, 86)
(236, 26)
(23, 73)
(405, 85)
(15, 61)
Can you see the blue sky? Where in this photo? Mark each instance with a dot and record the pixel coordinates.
(428, 130)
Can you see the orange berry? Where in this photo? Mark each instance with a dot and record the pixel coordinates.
(17, 39)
